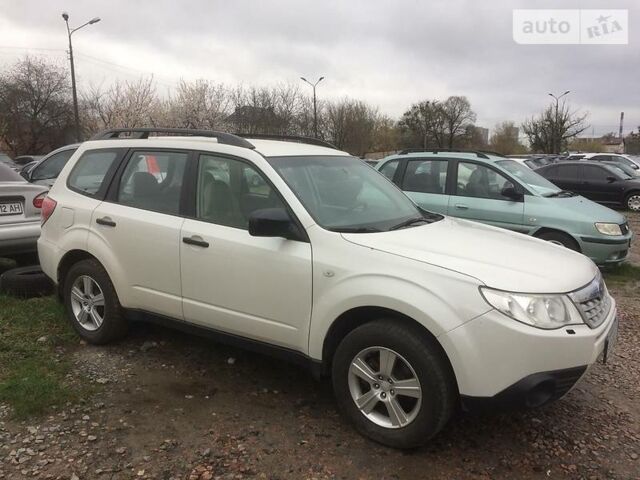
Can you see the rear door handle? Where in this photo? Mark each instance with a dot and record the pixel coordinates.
(461, 206)
(106, 221)
(197, 241)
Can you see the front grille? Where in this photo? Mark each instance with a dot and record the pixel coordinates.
(624, 228)
(593, 302)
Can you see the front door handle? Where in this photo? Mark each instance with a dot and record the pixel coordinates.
(461, 206)
(195, 240)
(106, 221)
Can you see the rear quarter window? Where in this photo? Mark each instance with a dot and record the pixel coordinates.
(93, 170)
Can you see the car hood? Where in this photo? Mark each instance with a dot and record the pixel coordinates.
(586, 209)
(496, 257)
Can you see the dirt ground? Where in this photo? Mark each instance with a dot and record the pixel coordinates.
(172, 406)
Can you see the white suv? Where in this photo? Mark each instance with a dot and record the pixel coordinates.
(306, 252)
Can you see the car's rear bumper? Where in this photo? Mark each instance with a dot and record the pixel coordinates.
(19, 237)
(48, 253)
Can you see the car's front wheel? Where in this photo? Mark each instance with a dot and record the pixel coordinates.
(92, 304)
(559, 238)
(392, 382)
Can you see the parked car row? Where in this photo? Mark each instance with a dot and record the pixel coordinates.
(502, 192)
(325, 262)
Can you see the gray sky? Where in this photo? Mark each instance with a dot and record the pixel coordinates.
(389, 53)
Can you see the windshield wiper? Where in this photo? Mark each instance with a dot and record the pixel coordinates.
(561, 193)
(355, 229)
(409, 222)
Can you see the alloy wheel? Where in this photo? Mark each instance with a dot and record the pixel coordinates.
(87, 303)
(385, 387)
(634, 203)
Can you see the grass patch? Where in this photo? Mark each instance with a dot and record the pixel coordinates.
(33, 365)
(622, 273)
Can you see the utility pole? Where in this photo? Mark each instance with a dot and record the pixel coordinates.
(315, 105)
(74, 91)
(557, 142)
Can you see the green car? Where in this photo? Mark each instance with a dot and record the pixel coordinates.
(503, 192)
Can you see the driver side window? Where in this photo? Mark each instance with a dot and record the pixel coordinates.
(479, 181)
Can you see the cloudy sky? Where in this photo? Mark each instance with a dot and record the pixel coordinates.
(389, 53)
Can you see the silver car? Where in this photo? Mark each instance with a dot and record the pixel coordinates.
(20, 203)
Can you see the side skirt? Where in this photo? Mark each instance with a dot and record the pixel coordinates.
(263, 348)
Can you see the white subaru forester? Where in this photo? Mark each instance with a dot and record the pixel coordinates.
(301, 250)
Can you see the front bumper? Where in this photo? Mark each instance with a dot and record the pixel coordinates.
(605, 250)
(496, 359)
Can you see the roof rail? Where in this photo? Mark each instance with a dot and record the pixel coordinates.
(143, 133)
(291, 138)
(444, 150)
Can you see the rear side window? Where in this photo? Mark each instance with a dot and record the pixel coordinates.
(153, 180)
(426, 176)
(89, 172)
(566, 172)
(594, 173)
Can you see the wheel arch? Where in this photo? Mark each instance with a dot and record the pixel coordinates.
(543, 230)
(355, 317)
(66, 262)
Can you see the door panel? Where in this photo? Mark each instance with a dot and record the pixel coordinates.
(595, 185)
(425, 182)
(139, 228)
(478, 197)
(256, 287)
(250, 286)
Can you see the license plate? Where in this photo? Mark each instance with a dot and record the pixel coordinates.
(14, 208)
(610, 341)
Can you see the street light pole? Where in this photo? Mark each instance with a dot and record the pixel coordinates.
(555, 125)
(74, 91)
(315, 106)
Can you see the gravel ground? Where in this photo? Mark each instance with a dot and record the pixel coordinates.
(173, 406)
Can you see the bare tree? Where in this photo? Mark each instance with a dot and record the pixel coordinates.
(505, 139)
(350, 125)
(423, 125)
(123, 105)
(551, 131)
(35, 107)
(200, 104)
(457, 116)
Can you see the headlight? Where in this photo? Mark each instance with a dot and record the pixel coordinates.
(609, 228)
(541, 311)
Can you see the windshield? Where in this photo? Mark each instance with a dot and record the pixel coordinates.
(531, 179)
(619, 171)
(345, 194)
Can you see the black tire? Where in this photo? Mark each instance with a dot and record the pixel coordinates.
(431, 368)
(26, 282)
(561, 239)
(114, 325)
(26, 259)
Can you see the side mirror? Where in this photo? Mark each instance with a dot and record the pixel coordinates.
(511, 192)
(273, 222)
(611, 179)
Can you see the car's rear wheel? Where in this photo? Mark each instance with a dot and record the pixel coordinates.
(393, 383)
(633, 202)
(559, 238)
(92, 303)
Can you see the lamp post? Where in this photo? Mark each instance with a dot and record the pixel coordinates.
(315, 106)
(70, 31)
(555, 125)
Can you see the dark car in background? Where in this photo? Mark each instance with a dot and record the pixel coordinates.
(602, 182)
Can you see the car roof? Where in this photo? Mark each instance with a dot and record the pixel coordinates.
(268, 148)
(481, 157)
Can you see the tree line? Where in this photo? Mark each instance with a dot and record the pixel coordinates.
(36, 115)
